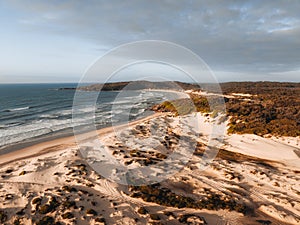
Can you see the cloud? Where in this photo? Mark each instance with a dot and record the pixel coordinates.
(248, 36)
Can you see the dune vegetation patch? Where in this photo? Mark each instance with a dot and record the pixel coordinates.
(262, 108)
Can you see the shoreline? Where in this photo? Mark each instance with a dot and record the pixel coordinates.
(56, 169)
(233, 141)
(252, 179)
(68, 131)
(61, 143)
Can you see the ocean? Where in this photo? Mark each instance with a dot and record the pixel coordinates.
(34, 112)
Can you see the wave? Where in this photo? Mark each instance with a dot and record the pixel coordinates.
(17, 109)
(14, 124)
(49, 116)
(121, 102)
(46, 118)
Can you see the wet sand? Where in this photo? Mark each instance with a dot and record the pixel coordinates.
(61, 143)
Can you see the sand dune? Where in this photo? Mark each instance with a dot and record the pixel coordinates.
(54, 182)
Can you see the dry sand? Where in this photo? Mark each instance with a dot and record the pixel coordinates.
(53, 179)
(62, 143)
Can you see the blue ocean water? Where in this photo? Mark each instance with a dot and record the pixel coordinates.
(29, 111)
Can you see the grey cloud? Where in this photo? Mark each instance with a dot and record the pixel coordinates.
(249, 36)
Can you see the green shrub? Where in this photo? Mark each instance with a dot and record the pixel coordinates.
(46, 220)
(154, 217)
(67, 215)
(22, 173)
(142, 210)
(3, 216)
(91, 212)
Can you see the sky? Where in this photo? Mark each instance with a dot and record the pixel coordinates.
(58, 40)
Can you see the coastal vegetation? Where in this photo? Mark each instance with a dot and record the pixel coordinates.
(261, 108)
(166, 197)
(137, 85)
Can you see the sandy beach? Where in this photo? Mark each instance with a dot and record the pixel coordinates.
(53, 181)
(150, 112)
(60, 143)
